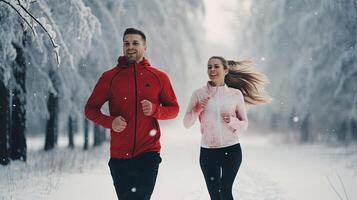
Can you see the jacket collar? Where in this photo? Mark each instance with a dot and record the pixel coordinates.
(122, 63)
(213, 89)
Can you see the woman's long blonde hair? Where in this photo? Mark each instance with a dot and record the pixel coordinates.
(244, 76)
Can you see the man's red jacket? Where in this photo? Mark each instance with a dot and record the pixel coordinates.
(124, 87)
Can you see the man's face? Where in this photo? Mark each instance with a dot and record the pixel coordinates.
(134, 47)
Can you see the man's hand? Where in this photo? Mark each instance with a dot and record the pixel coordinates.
(118, 124)
(147, 107)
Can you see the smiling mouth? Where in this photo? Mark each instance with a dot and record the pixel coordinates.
(131, 53)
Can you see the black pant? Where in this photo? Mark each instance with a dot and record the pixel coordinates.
(134, 179)
(220, 167)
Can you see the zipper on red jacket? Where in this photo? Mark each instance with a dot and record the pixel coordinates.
(136, 108)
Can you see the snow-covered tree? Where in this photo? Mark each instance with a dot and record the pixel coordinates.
(308, 50)
(64, 46)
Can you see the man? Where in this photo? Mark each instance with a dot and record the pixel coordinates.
(139, 95)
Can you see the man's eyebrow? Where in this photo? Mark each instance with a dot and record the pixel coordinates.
(132, 41)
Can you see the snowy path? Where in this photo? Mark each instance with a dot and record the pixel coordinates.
(269, 172)
(302, 171)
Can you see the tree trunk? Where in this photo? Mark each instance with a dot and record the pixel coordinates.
(52, 122)
(103, 136)
(353, 125)
(274, 121)
(53, 110)
(305, 129)
(86, 133)
(4, 124)
(97, 135)
(343, 130)
(18, 146)
(70, 132)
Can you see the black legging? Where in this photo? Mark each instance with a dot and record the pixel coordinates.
(220, 167)
(134, 179)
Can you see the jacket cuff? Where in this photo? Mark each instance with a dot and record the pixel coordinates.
(197, 108)
(108, 122)
(154, 110)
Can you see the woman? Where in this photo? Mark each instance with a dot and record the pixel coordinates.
(220, 107)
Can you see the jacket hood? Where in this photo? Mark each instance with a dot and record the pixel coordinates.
(122, 62)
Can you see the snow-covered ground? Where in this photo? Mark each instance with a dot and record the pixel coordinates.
(270, 171)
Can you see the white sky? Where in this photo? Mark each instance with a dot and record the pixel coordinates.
(219, 21)
(220, 31)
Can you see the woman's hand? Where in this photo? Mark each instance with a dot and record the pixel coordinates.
(226, 117)
(204, 102)
(201, 104)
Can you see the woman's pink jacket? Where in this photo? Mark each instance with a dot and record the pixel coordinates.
(222, 99)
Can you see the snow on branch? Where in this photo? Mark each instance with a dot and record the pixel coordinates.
(42, 22)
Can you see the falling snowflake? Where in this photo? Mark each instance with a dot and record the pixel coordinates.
(152, 132)
(296, 119)
(133, 189)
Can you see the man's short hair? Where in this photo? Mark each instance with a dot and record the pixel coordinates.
(134, 31)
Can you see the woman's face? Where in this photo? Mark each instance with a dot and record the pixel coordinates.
(216, 71)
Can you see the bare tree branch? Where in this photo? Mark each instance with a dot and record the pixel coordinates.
(333, 187)
(34, 18)
(9, 4)
(343, 186)
(38, 22)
